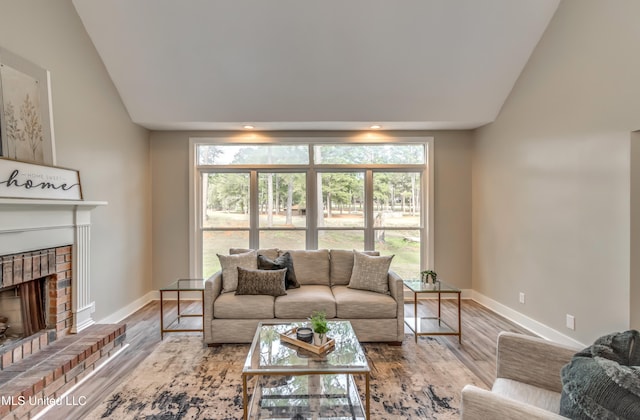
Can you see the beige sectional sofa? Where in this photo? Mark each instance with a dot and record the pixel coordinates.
(324, 277)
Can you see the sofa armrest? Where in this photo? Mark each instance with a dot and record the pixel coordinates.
(396, 288)
(480, 404)
(532, 360)
(212, 289)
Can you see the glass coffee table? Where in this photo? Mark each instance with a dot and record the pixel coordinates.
(432, 325)
(295, 383)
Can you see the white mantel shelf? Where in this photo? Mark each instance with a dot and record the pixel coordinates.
(31, 224)
(36, 202)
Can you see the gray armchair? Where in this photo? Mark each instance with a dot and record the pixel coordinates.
(527, 384)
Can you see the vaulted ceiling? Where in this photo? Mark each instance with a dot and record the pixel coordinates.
(318, 65)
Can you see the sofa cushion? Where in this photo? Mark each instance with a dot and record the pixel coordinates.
(261, 282)
(300, 303)
(283, 261)
(231, 306)
(230, 264)
(311, 266)
(370, 273)
(363, 304)
(529, 394)
(341, 261)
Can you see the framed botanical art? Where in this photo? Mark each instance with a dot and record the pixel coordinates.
(26, 123)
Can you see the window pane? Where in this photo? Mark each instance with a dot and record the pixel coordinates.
(369, 153)
(243, 154)
(341, 239)
(219, 242)
(226, 198)
(396, 199)
(283, 239)
(342, 199)
(405, 245)
(282, 199)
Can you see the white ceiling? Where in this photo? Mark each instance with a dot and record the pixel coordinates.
(314, 65)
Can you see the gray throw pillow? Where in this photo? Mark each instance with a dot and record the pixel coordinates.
(230, 264)
(370, 273)
(261, 282)
(283, 261)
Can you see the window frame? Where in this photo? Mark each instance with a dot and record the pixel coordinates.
(312, 169)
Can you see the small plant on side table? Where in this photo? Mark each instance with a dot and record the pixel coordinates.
(429, 273)
(320, 328)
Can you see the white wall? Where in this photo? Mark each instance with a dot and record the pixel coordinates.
(551, 177)
(94, 134)
(170, 159)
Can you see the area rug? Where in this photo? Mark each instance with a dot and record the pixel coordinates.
(181, 379)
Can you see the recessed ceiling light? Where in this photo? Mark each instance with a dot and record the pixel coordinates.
(376, 127)
(248, 127)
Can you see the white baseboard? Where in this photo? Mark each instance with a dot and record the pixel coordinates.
(524, 321)
(121, 314)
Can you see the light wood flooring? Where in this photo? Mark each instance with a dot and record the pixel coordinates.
(480, 328)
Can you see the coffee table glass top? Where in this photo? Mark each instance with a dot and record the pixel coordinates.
(422, 287)
(269, 355)
(184, 284)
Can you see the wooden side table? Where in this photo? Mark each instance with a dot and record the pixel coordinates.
(433, 325)
(181, 285)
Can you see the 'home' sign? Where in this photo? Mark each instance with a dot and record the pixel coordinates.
(29, 180)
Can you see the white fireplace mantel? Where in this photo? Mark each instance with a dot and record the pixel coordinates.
(27, 225)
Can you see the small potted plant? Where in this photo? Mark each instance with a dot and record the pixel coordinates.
(320, 328)
(429, 273)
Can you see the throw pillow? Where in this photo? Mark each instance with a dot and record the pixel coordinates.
(603, 380)
(261, 282)
(230, 264)
(370, 273)
(267, 252)
(283, 261)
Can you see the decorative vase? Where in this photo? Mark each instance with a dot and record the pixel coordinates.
(319, 339)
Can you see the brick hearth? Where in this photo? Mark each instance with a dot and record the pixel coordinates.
(31, 384)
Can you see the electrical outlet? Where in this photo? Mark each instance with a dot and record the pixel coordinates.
(521, 297)
(571, 322)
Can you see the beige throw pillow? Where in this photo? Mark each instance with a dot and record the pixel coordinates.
(370, 273)
(230, 264)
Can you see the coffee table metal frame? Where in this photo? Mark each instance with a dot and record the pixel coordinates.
(417, 287)
(181, 285)
(315, 368)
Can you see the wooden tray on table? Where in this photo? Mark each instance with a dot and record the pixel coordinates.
(290, 337)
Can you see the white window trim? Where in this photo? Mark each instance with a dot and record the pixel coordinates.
(195, 245)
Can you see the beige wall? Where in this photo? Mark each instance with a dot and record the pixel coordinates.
(634, 253)
(94, 134)
(169, 161)
(551, 177)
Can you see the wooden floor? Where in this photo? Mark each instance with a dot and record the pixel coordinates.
(480, 328)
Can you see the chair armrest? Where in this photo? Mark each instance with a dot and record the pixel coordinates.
(480, 404)
(396, 288)
(532, 360)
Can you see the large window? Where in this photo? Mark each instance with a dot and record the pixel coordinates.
(310, 195)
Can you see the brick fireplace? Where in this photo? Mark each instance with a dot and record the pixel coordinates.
(45, 249)
(51, 268)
